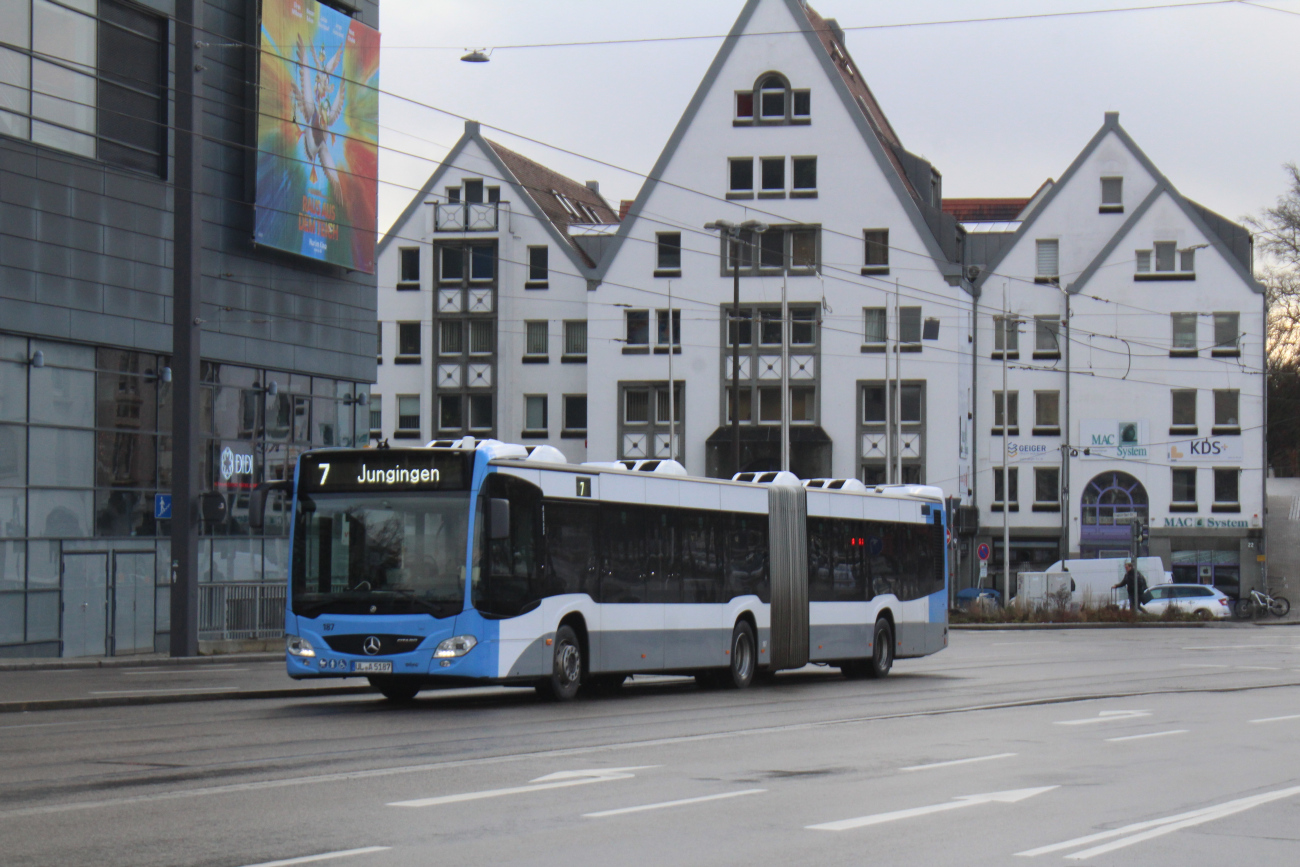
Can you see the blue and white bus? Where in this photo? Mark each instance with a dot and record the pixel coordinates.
(471, 562)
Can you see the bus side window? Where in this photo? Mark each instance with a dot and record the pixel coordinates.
(700, 557)
(884, 565)
(746, 557)
(821, 564)
(663, 578)
(623, 554)
(849, 575)
(513, 578)
(571, 563)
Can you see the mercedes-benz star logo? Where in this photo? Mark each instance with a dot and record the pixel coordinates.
(371, 645)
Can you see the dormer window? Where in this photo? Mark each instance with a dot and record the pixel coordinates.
(1166, 262)
(772, 101)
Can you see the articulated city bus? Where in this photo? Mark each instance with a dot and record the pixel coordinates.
(479, 562)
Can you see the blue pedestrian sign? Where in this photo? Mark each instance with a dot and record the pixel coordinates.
(982, 551)
(162, 507)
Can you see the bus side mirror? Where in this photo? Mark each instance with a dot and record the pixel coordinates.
(257, 503)
(500, 521)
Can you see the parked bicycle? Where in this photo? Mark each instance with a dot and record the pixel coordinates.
(1259, 601)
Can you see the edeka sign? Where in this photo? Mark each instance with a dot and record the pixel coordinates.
(1208, 449)
(1205, 523)
(1019, 451)
(318, 134)
(1113, 439)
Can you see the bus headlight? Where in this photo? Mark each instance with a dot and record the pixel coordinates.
(456, 646)
(298, 646)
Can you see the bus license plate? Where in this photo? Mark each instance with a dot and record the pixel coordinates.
(372, 666)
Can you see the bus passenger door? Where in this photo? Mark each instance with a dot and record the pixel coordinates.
(631, 592)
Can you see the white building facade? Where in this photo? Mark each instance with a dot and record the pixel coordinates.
(482, 303)
(1134, 376)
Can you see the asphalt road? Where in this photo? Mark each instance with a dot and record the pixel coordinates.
(1123, 747)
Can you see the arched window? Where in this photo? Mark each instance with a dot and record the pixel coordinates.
(1109, 493)
(772, 101)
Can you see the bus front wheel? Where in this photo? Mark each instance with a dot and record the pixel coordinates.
(882, 650)
(744, 659)
(566, 667)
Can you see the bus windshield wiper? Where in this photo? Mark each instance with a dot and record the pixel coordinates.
(434, 607)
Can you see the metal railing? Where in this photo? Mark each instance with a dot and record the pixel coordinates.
(465, 217)
(241, 610)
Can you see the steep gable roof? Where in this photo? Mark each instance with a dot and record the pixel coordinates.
(929, 221)
(1193, 213)
(1109, 125)
(540, 189)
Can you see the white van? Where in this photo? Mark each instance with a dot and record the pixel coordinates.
(1088, 581)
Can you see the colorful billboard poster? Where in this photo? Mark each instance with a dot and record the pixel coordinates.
(318, 134)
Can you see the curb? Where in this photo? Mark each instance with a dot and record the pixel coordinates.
(128, 700)
(135, 661)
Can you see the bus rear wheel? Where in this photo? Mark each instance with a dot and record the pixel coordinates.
(566, 667)
(882, 650)
(744, 659)
(394, 689)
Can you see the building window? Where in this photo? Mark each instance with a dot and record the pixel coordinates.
(1227, 335)
(538, 267)
(746, 409)
(1183, 486)
(661, 331)
(876, 251)
(451, 264)
(453, 195)
(1047, 488)
(803, 326)
(637, 324)
(909, 328)
(1184, 334)
(575, 415)
(773, 174)
(769, 327)
(474, 191)
(1112, 195)
(636, 406)
(480, 336)
(1226, 496)
(740, 326)
(376, 407)
(1170, 262)
(669, 254)
(745, 105)
(1047, 337)
(1013, 412)
(1183, 414)
(451, 340)
(575, 340)
(1187, 260)
(536, 338)
(1006, 336)
(94, 88)
(480, 411)
(792, 249)
(661, 405)
(1049, 261)
(450, 412)
(408, 412)
(408, 266)
(1012, 481)
(379, 342)
(803, 404)
(482, 262)
(873, 330)
(742, 174)
(408, 342)
(775, 101)
(1047, 413)
(1164, 255)
(771, 98)
(804, 170)
(1226, 418)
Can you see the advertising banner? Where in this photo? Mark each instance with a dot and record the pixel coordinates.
(1111, 439)
(1206, 450)
(1023, 451)
(318, 134)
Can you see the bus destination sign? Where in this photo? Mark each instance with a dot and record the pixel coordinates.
(385, 470)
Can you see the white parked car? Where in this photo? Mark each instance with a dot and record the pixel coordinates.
(1199, 599)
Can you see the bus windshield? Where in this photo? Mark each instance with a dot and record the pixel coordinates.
(380, 554)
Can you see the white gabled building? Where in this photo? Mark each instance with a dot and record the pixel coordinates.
(483, 284)
(1133, 362)
(783, 130)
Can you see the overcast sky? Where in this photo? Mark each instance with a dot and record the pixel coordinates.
(1212, 94)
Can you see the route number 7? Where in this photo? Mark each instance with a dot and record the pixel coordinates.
(324, 472)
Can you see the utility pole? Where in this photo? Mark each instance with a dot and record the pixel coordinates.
(186, 330)
(785, 381)
(672, 398)
(1006, 490)
(898, 389)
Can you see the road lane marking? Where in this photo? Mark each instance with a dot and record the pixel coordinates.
(1276, 718)
(1147, 735)
(152, 671)
(324, 856)
(1240, 647)
(165, 690)
(560, 780)
(1008, 797)
(1201, 665)
(1142, 831)
(665, 804)
(1256, 668)
(1105, 716)
(93, 722)
(957, 762)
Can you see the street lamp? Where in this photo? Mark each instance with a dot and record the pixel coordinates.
(732, 231)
